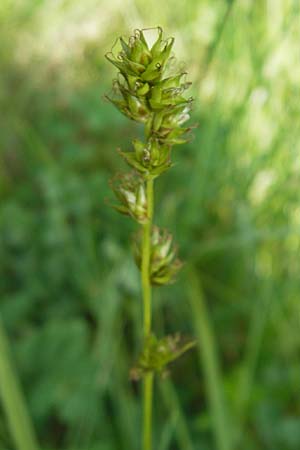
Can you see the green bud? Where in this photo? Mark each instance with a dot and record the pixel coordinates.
(164, 263)
(132, 161)
(142, 88)
(130, 191)
(161, 49)
(177, 118)
(140, 150)
(159, 155)
(174, 81)
(149, 159)
(158, 353)
(125, 47)
(135, 108)
(134, 66)
(153, 71)
(138, 108)
(156, 47)
(156, 96)
(157, 120)
(125, 66)
(139, 48)
(131, 82)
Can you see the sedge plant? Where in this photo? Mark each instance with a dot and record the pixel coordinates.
(149, 89)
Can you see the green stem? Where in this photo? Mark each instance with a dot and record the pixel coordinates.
(148, 400)
(147, 317)
(146, 282)
(13, 401)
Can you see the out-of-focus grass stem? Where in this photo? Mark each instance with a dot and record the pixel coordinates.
(252, 352)
(14, 406)
(209, 361)
(181, 431)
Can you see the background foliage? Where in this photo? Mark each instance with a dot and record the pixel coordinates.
(70, 294)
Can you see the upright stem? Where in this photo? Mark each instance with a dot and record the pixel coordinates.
(13, 401)
(146, 283)
(147, 317)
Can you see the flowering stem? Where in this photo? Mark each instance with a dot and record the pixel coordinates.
(147, 314)
(146, 248)
(147, 97)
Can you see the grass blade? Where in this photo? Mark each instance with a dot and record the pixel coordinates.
(13, 401)
(171, 399)
(257, 327)
(209, 362)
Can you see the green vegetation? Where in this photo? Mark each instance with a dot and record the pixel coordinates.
(70, 292)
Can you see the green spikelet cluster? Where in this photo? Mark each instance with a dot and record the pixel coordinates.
(164, 262)
(158, 353)
(150, 90)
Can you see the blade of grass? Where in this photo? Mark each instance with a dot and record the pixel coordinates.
(257, 326)
(242, 239)
(19, 421)
(211, 50)
(169, 431)
(209, 361)
(171, 399)
(125, 414)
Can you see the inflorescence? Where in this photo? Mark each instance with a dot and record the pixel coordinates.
(149, 89)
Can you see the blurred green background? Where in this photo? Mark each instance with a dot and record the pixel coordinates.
(70, 293)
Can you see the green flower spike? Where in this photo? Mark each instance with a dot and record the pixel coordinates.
(130, 191)
(150, 89)
(144, 93)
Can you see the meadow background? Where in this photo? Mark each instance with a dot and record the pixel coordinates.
(70, 295)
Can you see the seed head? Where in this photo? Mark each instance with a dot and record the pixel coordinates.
(150, 91)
